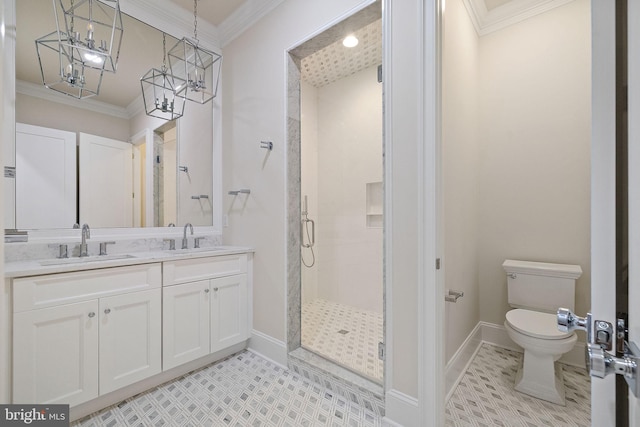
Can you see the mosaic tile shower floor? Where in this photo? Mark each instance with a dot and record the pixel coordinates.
(485, 396)
(346, 335)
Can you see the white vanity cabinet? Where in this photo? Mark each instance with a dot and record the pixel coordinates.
(205, 307)
(80, 335)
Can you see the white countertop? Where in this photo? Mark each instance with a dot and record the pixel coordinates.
(51, 266)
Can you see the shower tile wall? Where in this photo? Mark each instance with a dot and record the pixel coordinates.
(348, 119)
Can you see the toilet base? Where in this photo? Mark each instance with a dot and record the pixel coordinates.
(541, 378)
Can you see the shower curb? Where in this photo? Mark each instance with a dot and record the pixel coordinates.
(343, 382)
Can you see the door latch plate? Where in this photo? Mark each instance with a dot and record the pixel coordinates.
(603, 334)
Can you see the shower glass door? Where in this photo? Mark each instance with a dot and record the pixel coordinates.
(341, 204)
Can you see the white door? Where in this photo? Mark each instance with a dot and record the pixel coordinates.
(185, 323)
(45, 177)
(634, 189)
(229, 311)
(55, 354)
(130, 338)
(603, 193)
(106, 182)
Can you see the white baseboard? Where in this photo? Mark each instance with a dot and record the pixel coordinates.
(459, 362)
(497, 335)
(268, 348)
(401, 409)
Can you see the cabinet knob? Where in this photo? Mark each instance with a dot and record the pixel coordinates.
(206, 291)
(215, 289)
(107, 310)
(92, 314)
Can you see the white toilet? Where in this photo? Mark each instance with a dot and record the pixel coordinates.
(537, 290)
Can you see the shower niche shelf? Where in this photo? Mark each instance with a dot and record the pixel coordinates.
(374, 204)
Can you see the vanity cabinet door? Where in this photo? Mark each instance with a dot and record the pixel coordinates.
(130, 338)
(185, 323)
(229, 311)
(55, 354)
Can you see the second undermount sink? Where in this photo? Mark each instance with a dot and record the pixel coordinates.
(204, 249)
(83, 260)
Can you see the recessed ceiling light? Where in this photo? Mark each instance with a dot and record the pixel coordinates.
(350, 41)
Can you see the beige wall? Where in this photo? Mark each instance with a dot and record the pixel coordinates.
(461, 145)
(535, 151)
(39, 112)
(516, 156)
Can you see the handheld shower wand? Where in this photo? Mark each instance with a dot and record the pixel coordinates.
(304, 229)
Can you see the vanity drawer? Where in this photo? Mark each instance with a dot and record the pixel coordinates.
(191, 270)
(54, 289)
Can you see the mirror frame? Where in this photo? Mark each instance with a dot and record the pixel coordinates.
(168, 18)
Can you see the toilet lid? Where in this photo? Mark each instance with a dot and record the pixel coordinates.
(536, 324)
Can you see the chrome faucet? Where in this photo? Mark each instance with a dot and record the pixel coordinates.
(185, 242)
(86, 234)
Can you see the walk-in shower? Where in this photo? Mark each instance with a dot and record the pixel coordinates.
(341, 187)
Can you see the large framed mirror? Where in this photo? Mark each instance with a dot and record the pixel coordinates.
(122, 168)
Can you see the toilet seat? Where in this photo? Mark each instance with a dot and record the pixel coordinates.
(536, 324)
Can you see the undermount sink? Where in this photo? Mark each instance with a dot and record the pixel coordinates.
(83, 260)
(205, 249)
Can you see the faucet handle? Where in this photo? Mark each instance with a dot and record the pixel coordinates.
(172, 243)
(103, 247)
(196, 241)
(63, 251)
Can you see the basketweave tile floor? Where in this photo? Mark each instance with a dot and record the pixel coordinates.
(485, 396)
(243, 390)
(343, 334)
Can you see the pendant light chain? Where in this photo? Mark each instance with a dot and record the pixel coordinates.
(195, 20)
(72, 16)
(164, 52)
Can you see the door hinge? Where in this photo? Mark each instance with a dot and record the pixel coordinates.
(9, 171)
(437, 263)
(599, 362)
(381, 351)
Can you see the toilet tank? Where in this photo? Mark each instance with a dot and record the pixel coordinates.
(541, 286)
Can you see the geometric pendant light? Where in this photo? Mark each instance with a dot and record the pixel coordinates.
(199, 67)
(96, 29)
(160, 91)
(60, 69)
(86, 43)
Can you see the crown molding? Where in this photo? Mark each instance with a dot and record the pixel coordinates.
(487, 21)
(172, 19)
(136, 107)
(243, 17)
(41, 92)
